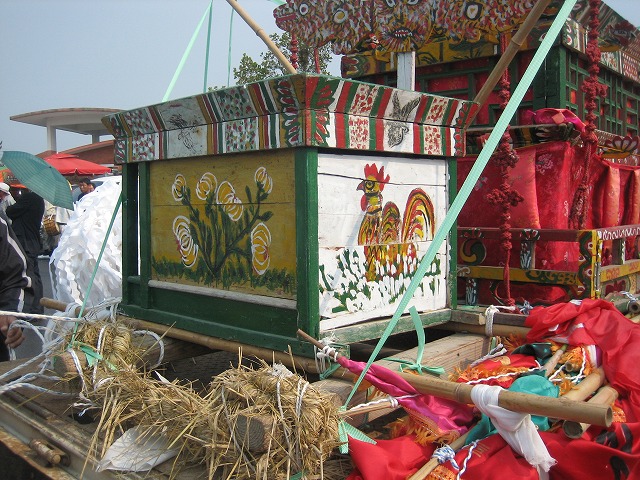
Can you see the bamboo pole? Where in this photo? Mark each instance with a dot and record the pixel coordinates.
(496, 330)
(553, 361)
(431, 465)
(517, 402)
(562, 408)
(587, 386)
(263, 36)
(306, 364)
(605, 396)
(510, 52)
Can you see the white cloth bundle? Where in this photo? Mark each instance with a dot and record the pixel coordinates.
(73, 261)
(517, 429)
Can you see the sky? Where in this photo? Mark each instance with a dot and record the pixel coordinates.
(123, 54)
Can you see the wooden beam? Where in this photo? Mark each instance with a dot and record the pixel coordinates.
(508, 55)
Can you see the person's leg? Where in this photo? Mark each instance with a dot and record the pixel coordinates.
(36, 282)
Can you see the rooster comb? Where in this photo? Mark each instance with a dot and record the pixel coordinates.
(372, 171)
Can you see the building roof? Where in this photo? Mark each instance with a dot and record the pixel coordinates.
(87, 121)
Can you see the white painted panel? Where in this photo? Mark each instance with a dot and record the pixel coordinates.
(361, 276)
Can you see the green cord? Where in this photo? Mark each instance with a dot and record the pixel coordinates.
(472, 178)
(206, 58)
(185, 55)
(229, 53)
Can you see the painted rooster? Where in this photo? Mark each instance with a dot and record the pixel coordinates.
(388, 239)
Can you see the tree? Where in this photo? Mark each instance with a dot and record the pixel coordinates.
(251, 71)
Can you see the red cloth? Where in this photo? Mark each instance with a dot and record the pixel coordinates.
(388, 459)
(605, 454)
(551, 170)
(597, 322)
(612, 454)
(495, 367)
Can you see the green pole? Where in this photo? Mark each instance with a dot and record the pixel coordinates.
(185, 55)
(206, 58)
(472, 178)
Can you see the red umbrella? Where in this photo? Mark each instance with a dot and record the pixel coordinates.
(68, 164)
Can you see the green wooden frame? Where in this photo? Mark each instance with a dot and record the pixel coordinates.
(267, 326)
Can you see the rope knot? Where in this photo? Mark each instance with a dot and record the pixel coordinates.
(327, 352)
(445, 454)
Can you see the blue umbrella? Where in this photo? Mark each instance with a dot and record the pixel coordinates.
(39, 177)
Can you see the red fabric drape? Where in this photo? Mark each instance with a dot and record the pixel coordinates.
(547, 176)
(603, 454)
(597, 322)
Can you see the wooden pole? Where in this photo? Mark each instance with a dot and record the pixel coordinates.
(553, 361)
(510, 52)
(587, 386)
(306, 364)
(496, 330)
(265, 38)
(56, 305)
(605, 396)
(515, 401)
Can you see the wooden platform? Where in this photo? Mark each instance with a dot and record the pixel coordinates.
(28, 416)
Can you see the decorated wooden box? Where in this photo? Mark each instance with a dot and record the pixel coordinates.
(303, 201)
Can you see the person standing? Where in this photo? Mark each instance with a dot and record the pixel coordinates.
(26, 216)
(86, 186)
(13, 282)
(6, 200)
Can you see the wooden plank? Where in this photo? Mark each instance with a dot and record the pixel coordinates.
(476, 316)
(519, 275)
(406, 70)
(450, 352)
(373, 329)
(612, 272)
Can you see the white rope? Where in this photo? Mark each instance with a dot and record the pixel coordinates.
(393, 402)
(99, 351)
(327, 352)
(322, 365)
(553, 377)
(36, 316)
(76, 363)
(22, 324)
(445, 454)
(13, 386)
(285, 427)
(580, 374)
(466, 460)
(497, 351)
(301, 391)
(490, 312)
(508, 374)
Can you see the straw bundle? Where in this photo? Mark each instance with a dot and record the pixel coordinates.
(211, 428)
(302, 423)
